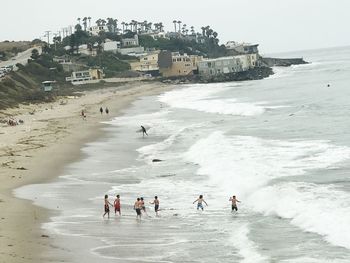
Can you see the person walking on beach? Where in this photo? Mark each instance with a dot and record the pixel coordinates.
(107, 204)
(107, 110)
(234, 201)
(101, 110)
(137, 207)
(143, 131)
(200, 202)
(117, 205)
(156, 205)
(143, 207)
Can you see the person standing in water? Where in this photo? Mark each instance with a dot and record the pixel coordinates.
(143, 207)
(143, 131)
(107, 204)
(107, 110)
(234, 201)
(117, 205)
(101, 110)
(200, 202)
(156, 205)
(137, 207)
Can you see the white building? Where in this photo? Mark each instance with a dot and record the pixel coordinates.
(130, 42)
(95, 30)
(242, 48)
(226, 65)
(111, 45)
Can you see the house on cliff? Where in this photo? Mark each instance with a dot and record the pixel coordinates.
(225, 65)
(147, 63)
(235, 48)
(172, 64)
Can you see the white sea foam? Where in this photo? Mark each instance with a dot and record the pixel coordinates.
(245, 165)
(247, 249)
(203, 98)
(157, 150)
(319, 209)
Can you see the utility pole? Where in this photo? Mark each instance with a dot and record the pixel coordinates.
(48, 36)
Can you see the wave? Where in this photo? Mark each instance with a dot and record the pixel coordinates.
(245, 166)
(203, 98)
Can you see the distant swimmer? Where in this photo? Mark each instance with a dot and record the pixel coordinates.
(101, 110)
(143, 131)
(156, 205)
(137, 207)
(107, 110)
(328, 85)
(117, 205)
(200, 202)
(107, 204)
(234, 201)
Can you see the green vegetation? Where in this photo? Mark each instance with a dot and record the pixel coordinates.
(209, 48)
(24, 85)
(111, 63)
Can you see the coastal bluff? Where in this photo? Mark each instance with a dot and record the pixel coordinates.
(281, 62)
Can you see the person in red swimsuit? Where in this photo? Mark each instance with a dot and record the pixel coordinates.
(117, 205)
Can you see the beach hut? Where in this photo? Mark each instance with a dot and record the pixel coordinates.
(47, 85)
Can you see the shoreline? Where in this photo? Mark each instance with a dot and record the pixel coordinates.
(54, 130)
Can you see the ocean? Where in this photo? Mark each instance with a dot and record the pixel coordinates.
(280, 144)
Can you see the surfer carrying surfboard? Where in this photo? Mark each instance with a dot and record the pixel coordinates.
(143, 131)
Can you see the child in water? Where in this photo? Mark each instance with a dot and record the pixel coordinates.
(117, 205)
(156, 204)
(234, 201)
(200, 202)
(137, 207)
(107, 204)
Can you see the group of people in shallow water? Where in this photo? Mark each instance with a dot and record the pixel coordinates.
(140, 208)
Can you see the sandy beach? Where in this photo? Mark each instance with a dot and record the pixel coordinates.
(36, 151)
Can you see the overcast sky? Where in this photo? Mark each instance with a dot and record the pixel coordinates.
(277, 25)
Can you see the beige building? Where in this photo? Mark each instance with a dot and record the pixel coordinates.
(146, 63)
(173, 64)
(85, 75)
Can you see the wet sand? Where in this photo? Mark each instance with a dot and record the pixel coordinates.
(37, 151)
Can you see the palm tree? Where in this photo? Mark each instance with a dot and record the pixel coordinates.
(85, 23)
(103, 22)
(115, 24)
(215, 34)
(98, 22)
(203, 30)
(110, 22)
(192, 30)
(123, 25)
(175, 25)
(161, 26)
(179, 22)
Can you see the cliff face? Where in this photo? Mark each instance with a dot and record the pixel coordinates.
(282, 62)
(252, 74)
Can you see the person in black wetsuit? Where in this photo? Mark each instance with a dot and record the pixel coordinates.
(143, 131)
